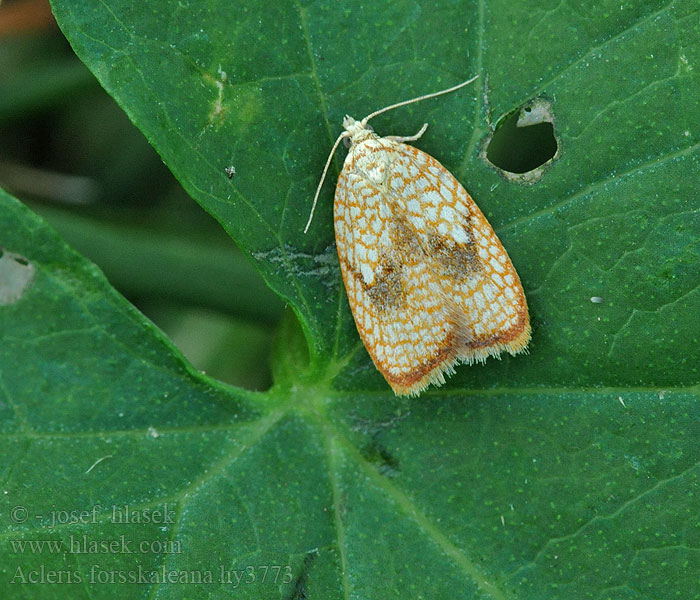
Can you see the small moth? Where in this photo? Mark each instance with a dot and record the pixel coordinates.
(428, 282)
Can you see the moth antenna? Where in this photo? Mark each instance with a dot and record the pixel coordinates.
(364, 123)
(412, 100)
(323, 178)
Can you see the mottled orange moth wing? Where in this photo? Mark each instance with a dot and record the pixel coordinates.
(428, 281)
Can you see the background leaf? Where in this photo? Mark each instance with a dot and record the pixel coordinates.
(568, 473)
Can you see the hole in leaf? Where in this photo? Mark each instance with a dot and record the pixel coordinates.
(16, 275)
(524, 141)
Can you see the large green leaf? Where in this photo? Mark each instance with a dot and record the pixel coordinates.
(567, 473)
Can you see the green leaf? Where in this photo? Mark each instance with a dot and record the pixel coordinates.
(567, 473)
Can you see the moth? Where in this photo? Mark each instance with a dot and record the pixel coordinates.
(428, 282)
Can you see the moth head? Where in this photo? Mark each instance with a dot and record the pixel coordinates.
(355, 130)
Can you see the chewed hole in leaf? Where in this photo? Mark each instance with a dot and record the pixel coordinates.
(16, 275)
(524, 142)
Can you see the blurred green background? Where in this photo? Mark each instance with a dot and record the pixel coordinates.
(70, 153)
